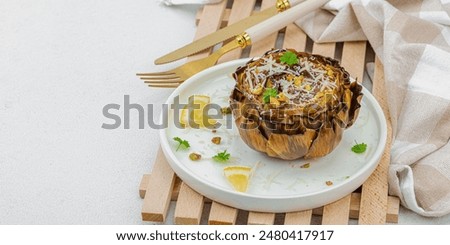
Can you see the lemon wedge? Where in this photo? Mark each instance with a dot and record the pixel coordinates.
(194, 113)
(238, 176)
(202, 100)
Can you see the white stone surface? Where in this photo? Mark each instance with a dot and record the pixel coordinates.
(61, 62)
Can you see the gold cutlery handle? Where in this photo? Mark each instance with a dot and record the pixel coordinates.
(244, 40)
(282, 5)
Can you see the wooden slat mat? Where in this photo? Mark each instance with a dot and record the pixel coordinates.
(370, 205)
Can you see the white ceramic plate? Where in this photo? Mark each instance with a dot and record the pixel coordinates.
(276, 185)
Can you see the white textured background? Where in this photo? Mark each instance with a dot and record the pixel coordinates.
(61, 61)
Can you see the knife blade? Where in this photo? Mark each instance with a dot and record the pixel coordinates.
(226, 32)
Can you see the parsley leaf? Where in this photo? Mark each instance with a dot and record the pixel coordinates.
(269, 92)
(182, 143)
(359, 148)
(222, 156)
(289, 58)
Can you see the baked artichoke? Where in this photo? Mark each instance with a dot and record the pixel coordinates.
(291, 104)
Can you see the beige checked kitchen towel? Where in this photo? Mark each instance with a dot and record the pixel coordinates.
(412, 39)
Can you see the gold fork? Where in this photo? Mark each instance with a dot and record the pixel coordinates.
(174, 77)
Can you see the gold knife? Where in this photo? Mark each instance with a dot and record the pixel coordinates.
(226, 32)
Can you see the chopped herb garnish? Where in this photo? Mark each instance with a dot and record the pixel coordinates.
(359, 148)
(268, 93)
(184, 144)
(222, 156)
(289, 58)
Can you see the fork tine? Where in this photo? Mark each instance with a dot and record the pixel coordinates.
(160, 76)
(156, 73)
(164, 85)
(175, 80)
